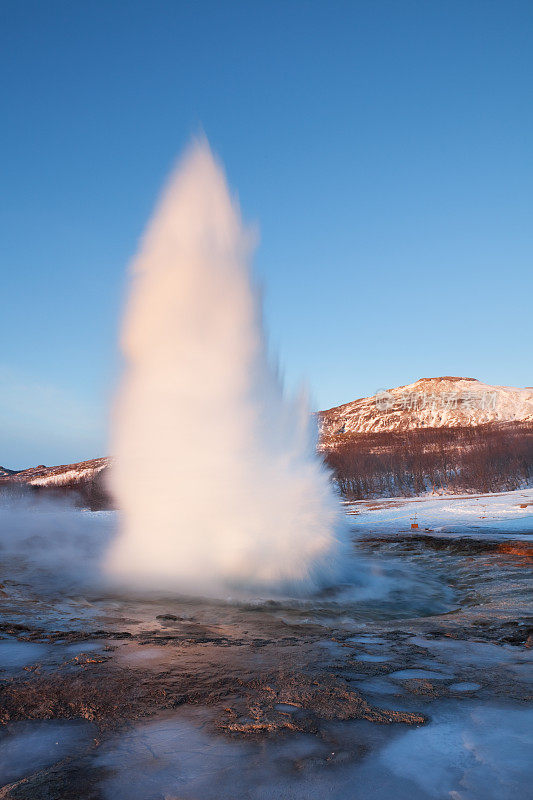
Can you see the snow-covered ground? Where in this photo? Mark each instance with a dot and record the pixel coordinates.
(491, 515)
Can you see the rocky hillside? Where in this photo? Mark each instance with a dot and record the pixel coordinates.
(438, 434)
(86, 479)
(446, 402)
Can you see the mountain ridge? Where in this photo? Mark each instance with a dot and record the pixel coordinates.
(445, 401)
(448, 430)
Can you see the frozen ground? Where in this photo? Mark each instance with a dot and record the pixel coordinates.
(412, 683)
(497, 515)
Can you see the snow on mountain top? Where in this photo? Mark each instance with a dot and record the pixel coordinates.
(430, 403)
(67, 477)
(63, 474)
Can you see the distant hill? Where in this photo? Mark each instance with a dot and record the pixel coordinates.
(86, 479)
(7, 473)
(437, 434)
(445, 402)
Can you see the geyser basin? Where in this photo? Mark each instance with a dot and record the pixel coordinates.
(201, 699)
(216, 469)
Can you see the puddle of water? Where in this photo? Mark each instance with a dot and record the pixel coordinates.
(73, 650)
(464, 687)
(176, 758)
(27, 747)
(466, 752)
(377, 686)
(169, 758)
(372, 658)
(333, 649)
(480, 654)
(367, 640)
(15, 654)
(407, 674)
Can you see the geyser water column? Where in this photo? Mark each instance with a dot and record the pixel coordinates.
(216, 472)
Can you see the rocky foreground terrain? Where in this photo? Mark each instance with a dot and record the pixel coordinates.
(410, 680)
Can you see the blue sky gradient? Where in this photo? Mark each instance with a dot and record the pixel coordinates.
(383, 148)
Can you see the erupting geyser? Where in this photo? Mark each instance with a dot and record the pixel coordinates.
(216, 472)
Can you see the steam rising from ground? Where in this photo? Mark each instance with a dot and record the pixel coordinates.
(216, 471)
(50, 544)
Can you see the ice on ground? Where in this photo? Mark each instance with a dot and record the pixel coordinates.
(15, 654)
(428, 674)
(466, 752)
(465, 686)
(372, 658)
(484, 655)
(27, 747)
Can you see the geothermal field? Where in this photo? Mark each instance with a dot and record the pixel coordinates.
(410, 678)
(233, 627)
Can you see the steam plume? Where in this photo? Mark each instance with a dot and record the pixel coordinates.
(216, 471)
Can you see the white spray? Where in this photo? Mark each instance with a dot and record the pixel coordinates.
(216, 471)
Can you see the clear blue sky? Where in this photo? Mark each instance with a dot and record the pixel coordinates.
(384, 148)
